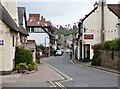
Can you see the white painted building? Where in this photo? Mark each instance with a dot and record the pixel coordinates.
(95, 22)
(39, 30)
(8, 37)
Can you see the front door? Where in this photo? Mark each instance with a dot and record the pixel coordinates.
(87, 51)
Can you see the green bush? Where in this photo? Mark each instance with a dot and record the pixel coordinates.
(22, 67)
(113, 45)
(23, 56)
(117, 44)
(42, 48)
(96, 61)
(32, 66)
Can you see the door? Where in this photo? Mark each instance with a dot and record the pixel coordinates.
(87, 51)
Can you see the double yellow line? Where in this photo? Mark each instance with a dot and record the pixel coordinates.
(60, 85)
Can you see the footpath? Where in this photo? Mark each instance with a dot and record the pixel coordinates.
(88, 64)
(40, 78)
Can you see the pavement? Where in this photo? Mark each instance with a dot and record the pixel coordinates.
(88, 64)
(40, 78)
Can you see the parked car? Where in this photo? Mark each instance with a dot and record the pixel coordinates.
(67, 51)
(58, 53)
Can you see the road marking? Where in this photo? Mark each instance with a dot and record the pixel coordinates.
(101, 70)
(60, 85)
(60, 73)
(53, 85)
(97, 69)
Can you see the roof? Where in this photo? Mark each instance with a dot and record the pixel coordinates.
(33, 22)
(21, 15)
(7, 19)
(23, 30)
(89, 13)
(115, 8)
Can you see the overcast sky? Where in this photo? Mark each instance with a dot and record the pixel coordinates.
(61, 12)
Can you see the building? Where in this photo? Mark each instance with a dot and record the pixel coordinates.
(22, 21)
(8, 37)
(40, 30)
(11, 34)
(100, 25)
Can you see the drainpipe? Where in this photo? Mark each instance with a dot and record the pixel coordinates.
(79, 38)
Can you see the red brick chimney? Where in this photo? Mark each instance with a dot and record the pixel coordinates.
(36, 16)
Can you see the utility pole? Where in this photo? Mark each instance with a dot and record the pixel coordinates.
(102, 4)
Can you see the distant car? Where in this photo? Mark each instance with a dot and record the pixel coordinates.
(67, 51)
(58, 53)
(62, 49)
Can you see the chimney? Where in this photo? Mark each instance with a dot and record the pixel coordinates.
(36, 16)
(96, 4)
(102, 2)
(42, 18)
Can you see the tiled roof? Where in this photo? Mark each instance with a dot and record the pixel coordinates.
(7, 19)
(33, 22)
(115, 8)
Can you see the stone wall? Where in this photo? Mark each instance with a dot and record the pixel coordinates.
(110, 59)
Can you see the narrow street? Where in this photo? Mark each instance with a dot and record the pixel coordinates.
(82, 76)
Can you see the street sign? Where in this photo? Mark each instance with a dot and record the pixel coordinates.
(1, 42)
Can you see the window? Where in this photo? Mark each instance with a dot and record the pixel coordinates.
(28, 29)
(32, 29)
(13, 41)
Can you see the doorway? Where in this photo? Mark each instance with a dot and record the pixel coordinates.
(87, 51)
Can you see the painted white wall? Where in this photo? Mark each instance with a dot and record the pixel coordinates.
(7, 51)
(11, 7)
(40, 38)
(111, 29)
(93, 26)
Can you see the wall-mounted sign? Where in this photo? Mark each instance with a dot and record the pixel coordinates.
(88, 36)
(1, 42)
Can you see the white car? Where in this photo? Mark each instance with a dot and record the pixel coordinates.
(67, 51)
(58, 53)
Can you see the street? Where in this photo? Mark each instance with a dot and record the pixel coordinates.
(59, 71)
(82, 76)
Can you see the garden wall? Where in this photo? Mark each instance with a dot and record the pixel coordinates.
(110, 59)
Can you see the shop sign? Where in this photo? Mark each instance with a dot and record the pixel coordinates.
(88, 36)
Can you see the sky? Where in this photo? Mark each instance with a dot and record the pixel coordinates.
(61, 12)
